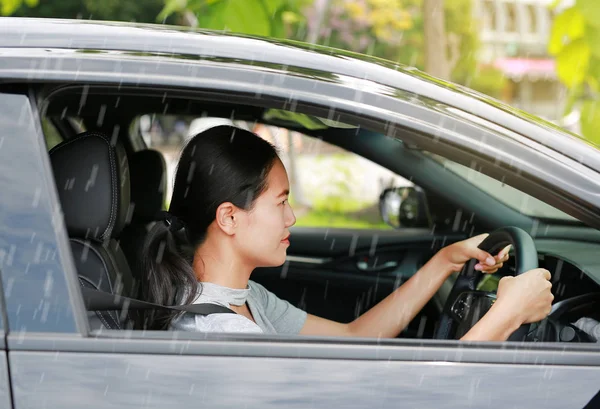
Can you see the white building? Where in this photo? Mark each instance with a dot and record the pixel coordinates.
(514, 36)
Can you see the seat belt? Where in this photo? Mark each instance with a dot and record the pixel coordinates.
(96, 300)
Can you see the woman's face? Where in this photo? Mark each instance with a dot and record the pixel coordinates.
(263, 232)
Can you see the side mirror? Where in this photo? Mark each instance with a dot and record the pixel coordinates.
(404, 207)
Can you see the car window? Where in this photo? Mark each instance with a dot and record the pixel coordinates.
(330, 187)
(51, 134)
(508, 195)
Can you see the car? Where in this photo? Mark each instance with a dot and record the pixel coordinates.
(435, 161)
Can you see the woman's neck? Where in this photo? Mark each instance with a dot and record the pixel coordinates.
(216, 263)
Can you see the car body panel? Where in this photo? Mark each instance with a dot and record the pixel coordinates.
(110, 380)
(5, 387)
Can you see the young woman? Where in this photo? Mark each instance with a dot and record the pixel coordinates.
(230, 214)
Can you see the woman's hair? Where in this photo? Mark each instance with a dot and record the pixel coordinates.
(221, 164)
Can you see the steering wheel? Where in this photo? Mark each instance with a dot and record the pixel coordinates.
(465, 305)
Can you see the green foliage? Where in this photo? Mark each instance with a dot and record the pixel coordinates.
(575, 42)
(111, 10)
(8, 7)
(317, 218)
(365, 26)
(271, 18)
(488, 80)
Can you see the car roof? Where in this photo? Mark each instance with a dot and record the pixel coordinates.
(283, 56)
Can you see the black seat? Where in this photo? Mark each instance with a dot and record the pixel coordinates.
(92, 178)
(148, 172)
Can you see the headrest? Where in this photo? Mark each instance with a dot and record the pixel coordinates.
(148, 172)
(92, 178)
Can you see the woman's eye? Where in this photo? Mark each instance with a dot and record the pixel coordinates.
(284, 202)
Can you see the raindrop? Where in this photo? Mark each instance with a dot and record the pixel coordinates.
(11, 254)
(38, 253)
(190, 175)
(161, 251)
(101, 114)
(36, 197)
(115, 135)
(373, 245)
(69, 183)
(534, 228)
(457, 218)
(558, 270)
(284, 270)
(92, 180)
(353, 244)
(83, 98)
(421, 329)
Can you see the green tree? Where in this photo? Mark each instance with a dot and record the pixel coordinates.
(575, 42)
(273, 18)
(111, 10)
(8, 7)
(394, 30)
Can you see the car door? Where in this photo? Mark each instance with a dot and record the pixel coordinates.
(56, 362)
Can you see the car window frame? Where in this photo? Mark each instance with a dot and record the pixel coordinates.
(270, 339)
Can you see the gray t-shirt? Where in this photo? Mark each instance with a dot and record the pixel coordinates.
(271, 314)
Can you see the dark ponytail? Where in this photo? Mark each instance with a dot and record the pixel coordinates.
(221, 164)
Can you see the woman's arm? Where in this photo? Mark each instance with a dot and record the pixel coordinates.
(390, 316)
(523, 299)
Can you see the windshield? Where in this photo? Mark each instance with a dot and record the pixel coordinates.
(514, 198)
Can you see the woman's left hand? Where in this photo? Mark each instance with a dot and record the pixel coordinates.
(457, 254)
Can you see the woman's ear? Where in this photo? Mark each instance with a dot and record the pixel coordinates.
(226, 218)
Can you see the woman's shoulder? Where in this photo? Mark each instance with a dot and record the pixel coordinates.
(215, 323)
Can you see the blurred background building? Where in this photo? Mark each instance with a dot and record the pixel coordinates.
(514, 39)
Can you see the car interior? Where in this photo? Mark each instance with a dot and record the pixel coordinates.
(93, 132)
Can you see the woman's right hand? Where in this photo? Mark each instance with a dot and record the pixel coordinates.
(527, 296)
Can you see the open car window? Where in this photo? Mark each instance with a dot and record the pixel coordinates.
(330, 186)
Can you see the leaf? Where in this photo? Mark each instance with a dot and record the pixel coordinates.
(573, 95)
(32, 3)
(568, 26)
(171, 6)
(272, 6)
(7, 7)
(590, 11)
(572, 63)
(590, 121)
(240, 16)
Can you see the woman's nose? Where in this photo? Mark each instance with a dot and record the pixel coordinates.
(290, 217)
